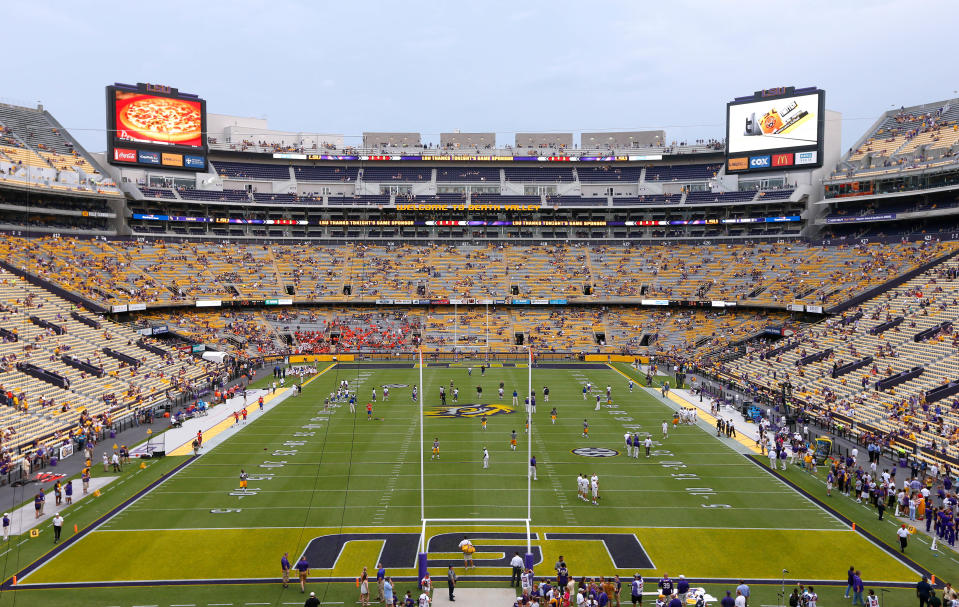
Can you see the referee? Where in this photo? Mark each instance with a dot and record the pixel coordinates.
(517, 564)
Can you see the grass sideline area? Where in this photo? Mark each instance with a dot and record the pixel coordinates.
(697, 507)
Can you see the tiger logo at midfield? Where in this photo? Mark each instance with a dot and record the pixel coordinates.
(470, 410)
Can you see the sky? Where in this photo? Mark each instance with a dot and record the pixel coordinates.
(489, 66)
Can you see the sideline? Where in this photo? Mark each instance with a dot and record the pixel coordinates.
(221, 416)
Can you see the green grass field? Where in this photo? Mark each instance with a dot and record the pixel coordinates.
(697, 507)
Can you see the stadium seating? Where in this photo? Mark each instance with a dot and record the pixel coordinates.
(394, 174)
(923, 303)
(682, 172)
(158, 192)
(717, 197)
(609, 174)
(23, 156)
(169, 272)
(394, 328)
(468, 174)
(325, 174)
(214, 195)
(546, 174)
(47, 331)
(249, 170)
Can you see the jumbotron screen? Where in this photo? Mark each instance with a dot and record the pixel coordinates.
(153, 125)
(779, 129)
(153, 119)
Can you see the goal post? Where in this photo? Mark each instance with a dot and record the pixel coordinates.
(422, 557)
(422, 560)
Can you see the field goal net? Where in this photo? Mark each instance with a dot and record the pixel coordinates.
(499, 535)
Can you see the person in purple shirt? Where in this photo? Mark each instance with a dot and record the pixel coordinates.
(380, 581)
(857, 588)
(682, 586)
(303, 568)
(676, 601)
(601, 599)
(728, 600)
(285, 566)
(666, 585)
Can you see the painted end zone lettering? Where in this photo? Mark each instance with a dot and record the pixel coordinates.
(450, 542)
(399, 549)
(624, 548)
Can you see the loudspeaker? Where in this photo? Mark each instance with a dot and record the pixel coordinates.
(159, 453)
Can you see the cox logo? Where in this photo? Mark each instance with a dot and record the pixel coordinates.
(759, 162)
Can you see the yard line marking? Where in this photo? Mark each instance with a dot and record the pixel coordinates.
(490, 506)
(376, 527)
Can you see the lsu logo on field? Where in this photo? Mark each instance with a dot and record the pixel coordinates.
(595, 452)
(469, 411)
(759, 162)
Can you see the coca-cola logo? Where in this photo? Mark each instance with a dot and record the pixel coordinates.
(123, 155)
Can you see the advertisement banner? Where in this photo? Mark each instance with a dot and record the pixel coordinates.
(66, 451)
(148, 157)
(194, 162)
(153, 119)
(124, 155)
(173, 160)
(773, 124)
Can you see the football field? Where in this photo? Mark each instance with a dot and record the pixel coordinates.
(346, 490)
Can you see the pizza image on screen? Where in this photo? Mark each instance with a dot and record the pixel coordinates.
(158, 119)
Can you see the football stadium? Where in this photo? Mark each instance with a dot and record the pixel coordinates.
(245, 364)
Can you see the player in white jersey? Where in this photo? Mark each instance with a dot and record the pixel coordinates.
(648, 443)
(485, 458)
(594, 486)
(665, 429)
(630, 385)
(598, 397)
(582, 487)
(386, 393)
(501, 393)
(456, 394)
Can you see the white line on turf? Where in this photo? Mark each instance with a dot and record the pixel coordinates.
(722, 528)
(497, 506)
